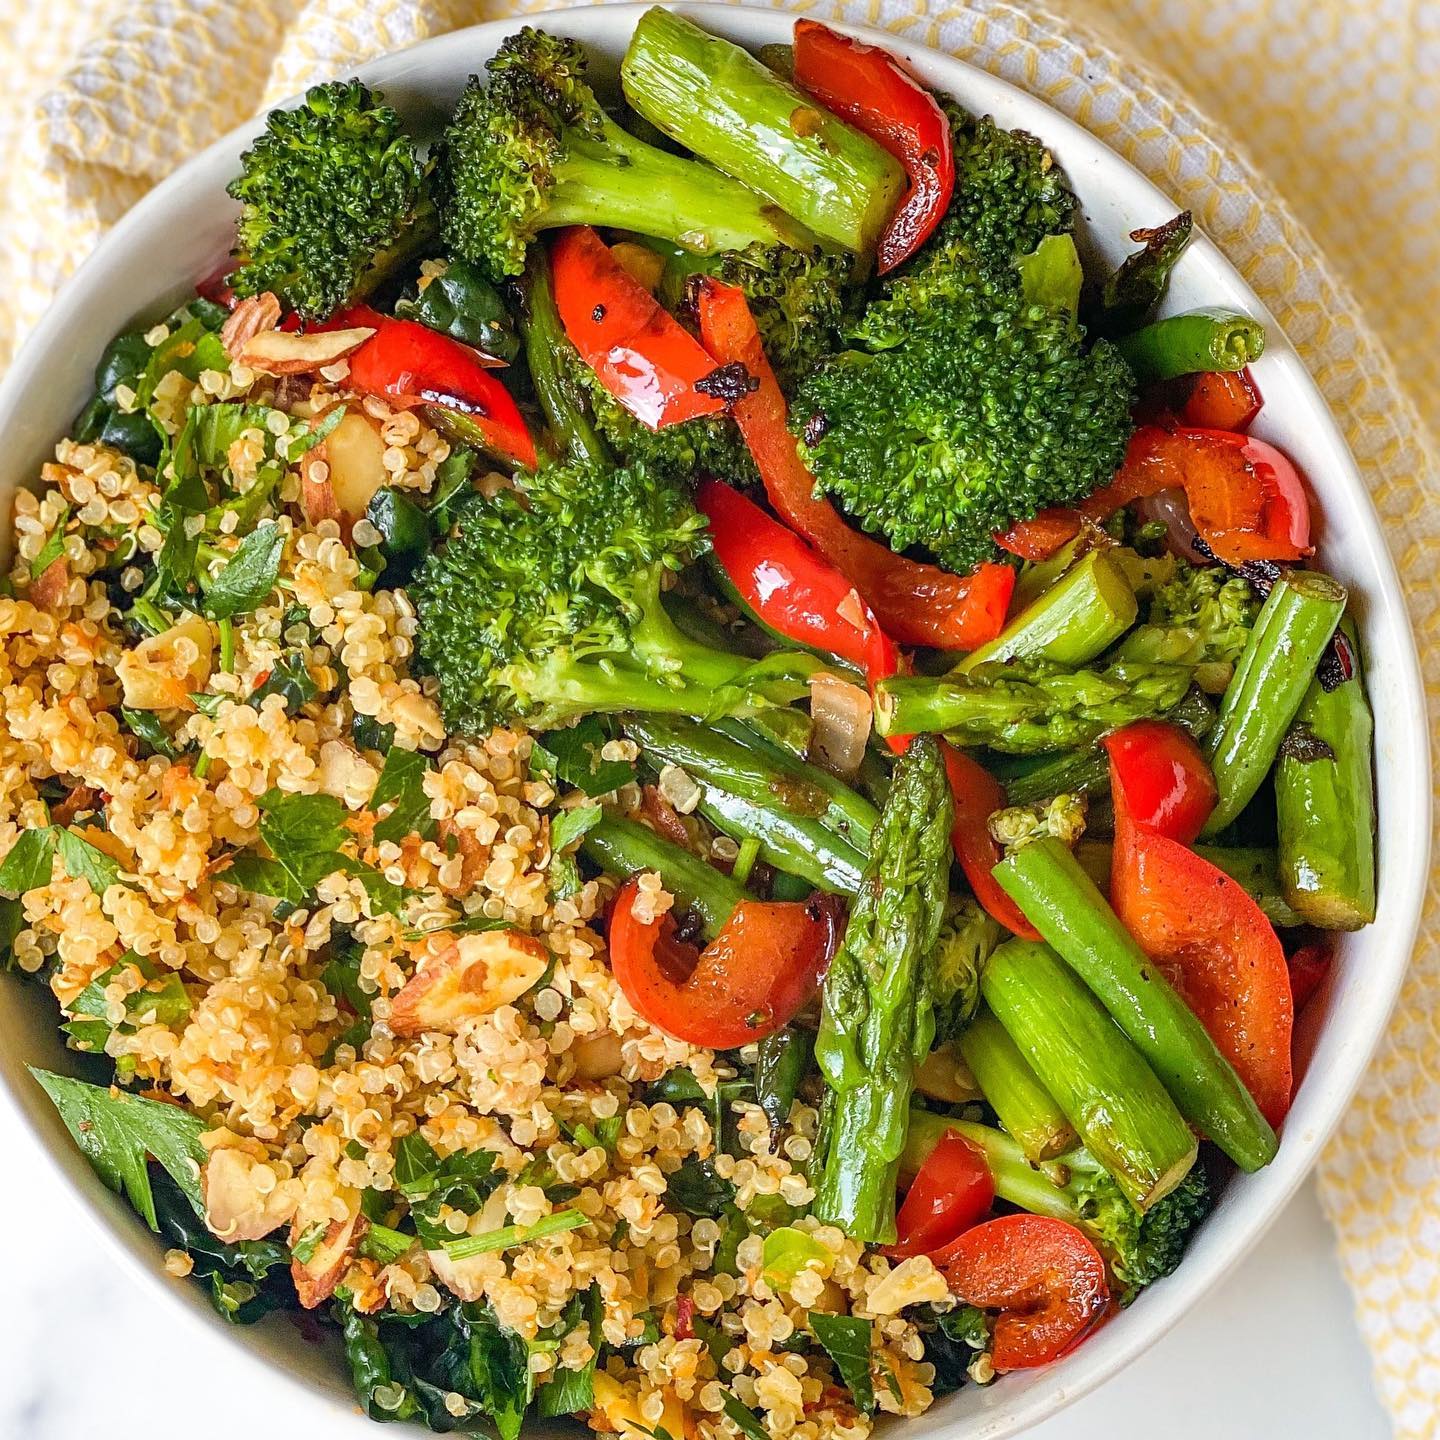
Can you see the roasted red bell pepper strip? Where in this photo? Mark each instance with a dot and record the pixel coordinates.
(408, 364)
(915, 604)
(1222, 400)
(1167, 783)
(867, 87)
(953, 1191)
(640, 352)
(750, 980)
(1213, 943)
(1309, 966)
(1043, 1276)
(978, 795)
(1247, 500)
(789, 586)
(1039, 537)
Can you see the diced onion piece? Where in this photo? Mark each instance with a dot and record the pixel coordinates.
(842, 715)
(680, 788)
(1172, 510)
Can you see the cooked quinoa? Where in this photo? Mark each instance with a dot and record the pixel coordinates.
(305, 1113)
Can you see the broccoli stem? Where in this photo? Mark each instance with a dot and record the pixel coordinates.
(1325, 802)
(618, 181)
(876, 1026)
(1060, 900)
(790, 808)
(1024, 711)
(1253, 867)
(625, 847)
(1084, 612)
(555, 387)
(1024, 1106)
(1098, 1078)
(1270, 682)
(724, 105)
(1184, 344)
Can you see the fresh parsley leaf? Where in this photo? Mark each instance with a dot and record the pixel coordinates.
(297, 445)
(452, 479)
(402, 785)
(263, 877)
(12, 921)
(294, 826)
(250, 575)
(569, 826)
(146, 725)
(573, 756)
(84, 861)
(30, 861)
(416, 1166)
(175, 564)
(744, 1417)
(289, 678)
(570, 1392)
(305, 1247)
(117, 1131)
(53, 548)
(846, 1339)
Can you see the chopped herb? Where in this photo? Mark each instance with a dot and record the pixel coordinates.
(117, 1131)
(402, 786)
(146, 726)
(573, 756)
(53, 548)
(30, 861)
(698, 1190)
(249, 576)
(572, 1392)
(305, 1247)
(508, 1236)
(744, 1417)
(384, 1245)
(289, 678)
(846, 1339)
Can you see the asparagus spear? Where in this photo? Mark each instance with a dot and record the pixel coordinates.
(1087, 772)
(1184, 344)
(1325, 800)
(1084, 612)
(1027, 707)
(1253, 867)
(874, 1027)
(1017, 1180)
(1098, 1078)
(1026, 1108)
(1271, 678)
(1060, 900)
(725, 106)
(622, 847)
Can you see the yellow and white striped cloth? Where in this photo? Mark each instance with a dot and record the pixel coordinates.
(1332, 104)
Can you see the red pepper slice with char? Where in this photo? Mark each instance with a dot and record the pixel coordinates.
(1212, 942)
(408, 364)
(751, 979)
(1167, 784)
(1308, 966)
(789, 586)
(1222, 400)
(642, 355)
(915, 604)
(977, 795)
(1043, 1276)
(1039, 537)
(868, 88)
(953, 1190)
(1246, 498)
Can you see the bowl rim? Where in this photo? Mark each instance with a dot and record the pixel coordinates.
(1050, 1390)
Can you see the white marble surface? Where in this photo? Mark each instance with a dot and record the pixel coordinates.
(1273, 1353)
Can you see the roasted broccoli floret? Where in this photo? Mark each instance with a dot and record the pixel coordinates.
(545, 604)
(1062, 816)
(1202, 616)
(969, 398)
(967, 936)
(334, 199)
(533, 148)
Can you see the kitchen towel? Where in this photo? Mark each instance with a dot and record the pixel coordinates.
(1227, 107)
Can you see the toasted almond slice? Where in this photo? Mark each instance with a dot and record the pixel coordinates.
(316, 1278)
(48, 590)
(473, 977)
(278, 352)
(235, 1209)
(354, 454)
(160, 673)
(251, 317)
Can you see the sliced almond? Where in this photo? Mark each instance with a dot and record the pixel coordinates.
(316, 1278)
(251, 317)
(160, 673)
(279, 352)
(235, 1208)
(597, 1057)
(49, 589)
(353, 455)
(467, 980)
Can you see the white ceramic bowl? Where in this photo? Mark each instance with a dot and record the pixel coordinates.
(182, 230)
